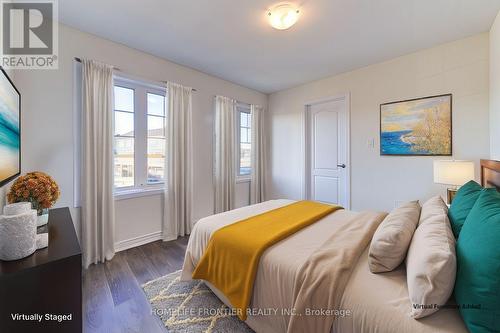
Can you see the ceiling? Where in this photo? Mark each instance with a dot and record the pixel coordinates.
(231, 39)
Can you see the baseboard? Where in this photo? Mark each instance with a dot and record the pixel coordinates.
(137, 241)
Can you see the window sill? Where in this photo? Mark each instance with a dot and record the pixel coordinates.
(137, 193)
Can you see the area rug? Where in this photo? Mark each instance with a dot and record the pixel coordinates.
(190, 306)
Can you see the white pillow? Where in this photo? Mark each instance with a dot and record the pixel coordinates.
(393, 236)
(431, 261)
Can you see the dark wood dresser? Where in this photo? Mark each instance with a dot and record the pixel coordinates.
(43, 292)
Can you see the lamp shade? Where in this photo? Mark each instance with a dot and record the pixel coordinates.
(453, 172)
(283, 16)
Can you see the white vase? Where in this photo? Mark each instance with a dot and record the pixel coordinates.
(17, 235)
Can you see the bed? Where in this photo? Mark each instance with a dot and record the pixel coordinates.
(370, 302)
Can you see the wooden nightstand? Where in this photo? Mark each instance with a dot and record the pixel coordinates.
(48, 283)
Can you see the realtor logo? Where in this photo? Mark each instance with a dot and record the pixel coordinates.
(29, 34)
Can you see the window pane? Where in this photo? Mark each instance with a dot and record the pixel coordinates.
(244, 135)
(156, 126)
(243, 119)
(156, 160)
(124, 162)
(245, 143)
(156, 104)
(124, 123)
(245, 159)
(124, 99)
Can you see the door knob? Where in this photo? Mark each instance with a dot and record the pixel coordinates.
(341, 165)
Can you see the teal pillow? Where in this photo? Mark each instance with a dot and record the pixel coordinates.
(477, 286)
(462, 204)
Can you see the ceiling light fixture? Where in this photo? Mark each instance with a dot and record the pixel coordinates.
(283, 16)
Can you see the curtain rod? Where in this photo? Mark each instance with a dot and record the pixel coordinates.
(116, 68)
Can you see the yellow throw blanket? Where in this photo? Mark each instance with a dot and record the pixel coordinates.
(232, 256)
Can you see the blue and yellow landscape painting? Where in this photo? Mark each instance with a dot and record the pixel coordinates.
(416, 127)
(9, 129)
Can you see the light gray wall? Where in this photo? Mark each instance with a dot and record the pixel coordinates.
(377, 182)
(495, 89)
(47, 123)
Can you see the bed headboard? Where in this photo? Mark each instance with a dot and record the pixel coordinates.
(490, 173)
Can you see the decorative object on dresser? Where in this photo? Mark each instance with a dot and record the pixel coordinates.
(453, 172)
(417, 127)
(18, 238)
(39, 189)
(47, 284)
(17, 231)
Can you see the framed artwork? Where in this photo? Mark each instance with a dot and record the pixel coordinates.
(10, 129)
(417, 127)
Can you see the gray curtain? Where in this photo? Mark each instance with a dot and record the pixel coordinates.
(178, 163)
(258, 183)
(98, 219)
(224, 167)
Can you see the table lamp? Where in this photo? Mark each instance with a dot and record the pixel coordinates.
(454, 173)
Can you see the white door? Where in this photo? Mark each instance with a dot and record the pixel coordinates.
(327, 151)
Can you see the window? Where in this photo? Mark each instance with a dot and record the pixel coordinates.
(244, 140)
(124, 137)
(156, 138)
(140, 138)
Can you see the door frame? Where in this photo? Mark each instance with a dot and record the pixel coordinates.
(306, 147)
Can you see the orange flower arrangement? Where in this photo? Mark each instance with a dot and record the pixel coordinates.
(35, 187)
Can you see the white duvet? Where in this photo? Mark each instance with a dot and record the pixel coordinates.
(377, 302)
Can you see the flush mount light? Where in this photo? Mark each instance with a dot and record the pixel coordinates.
(283, 16)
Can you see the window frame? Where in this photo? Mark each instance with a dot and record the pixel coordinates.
(241, 108)
(141, 186)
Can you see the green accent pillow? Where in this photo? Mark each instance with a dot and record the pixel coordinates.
(477, 286)
(462, 204)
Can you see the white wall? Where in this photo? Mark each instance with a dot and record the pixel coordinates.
(47, 123)
(460, 68)
(495, 89)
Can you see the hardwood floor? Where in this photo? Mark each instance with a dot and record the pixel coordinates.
(113, 300)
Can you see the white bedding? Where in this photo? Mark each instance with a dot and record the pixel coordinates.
(379, 302)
